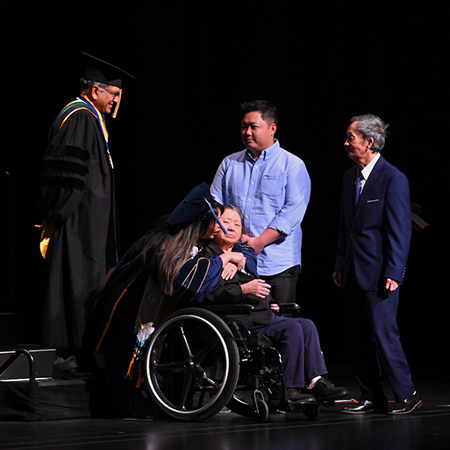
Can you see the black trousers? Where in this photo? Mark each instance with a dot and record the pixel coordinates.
(284, 284)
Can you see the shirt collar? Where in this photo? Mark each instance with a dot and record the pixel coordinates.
(268, 152)
(368, 169)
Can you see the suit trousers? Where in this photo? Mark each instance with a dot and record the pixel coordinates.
(297, 340)
(374, 340)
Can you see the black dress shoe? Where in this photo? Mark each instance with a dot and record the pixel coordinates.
(326, 390)
(362, 407)
(406, 406)
(72, 374)
(295, 396)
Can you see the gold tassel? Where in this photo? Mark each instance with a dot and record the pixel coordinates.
(116, 109)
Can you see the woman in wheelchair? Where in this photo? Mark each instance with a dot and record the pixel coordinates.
(296, 339)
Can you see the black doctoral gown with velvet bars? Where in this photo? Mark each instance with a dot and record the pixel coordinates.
(77, 192)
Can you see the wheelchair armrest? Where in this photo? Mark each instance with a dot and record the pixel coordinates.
(232, 309)
(289, 308)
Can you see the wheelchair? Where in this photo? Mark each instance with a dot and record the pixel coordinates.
(199, 360)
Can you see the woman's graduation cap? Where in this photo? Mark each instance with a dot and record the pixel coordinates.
(196, 204)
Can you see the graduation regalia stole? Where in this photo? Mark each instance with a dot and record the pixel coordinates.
(154, 307)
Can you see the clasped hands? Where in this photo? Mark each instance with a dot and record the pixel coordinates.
(257, 287)
(232, 262)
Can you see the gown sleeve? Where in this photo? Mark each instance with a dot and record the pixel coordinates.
(197, 278)
(66, 166)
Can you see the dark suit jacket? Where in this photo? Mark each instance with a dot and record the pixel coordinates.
(375, 234)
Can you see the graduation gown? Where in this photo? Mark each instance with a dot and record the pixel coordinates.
(131, 296)
(77, 195)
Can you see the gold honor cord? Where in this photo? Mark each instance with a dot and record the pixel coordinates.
(116, 109)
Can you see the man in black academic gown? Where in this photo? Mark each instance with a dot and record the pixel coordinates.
(77, 205)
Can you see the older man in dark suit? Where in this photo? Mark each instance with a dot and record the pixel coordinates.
(373, 246)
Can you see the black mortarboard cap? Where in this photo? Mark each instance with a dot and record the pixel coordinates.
(93, 74)
(196, 204)
(104, 72)
(109, 74)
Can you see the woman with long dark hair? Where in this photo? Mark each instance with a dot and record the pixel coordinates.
(158, 271)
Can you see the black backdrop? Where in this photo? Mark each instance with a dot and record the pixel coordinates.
(194, 62)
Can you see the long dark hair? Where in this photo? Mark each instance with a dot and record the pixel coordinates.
(165, 252)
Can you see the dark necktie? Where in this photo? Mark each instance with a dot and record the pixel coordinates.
(358, 186)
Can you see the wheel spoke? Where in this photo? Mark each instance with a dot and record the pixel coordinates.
(187, 354)
(200, 355)
(169, 366)
(187, 383)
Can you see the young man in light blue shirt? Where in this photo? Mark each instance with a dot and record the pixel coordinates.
(272, 188)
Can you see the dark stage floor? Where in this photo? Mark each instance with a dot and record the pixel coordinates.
(427, 428)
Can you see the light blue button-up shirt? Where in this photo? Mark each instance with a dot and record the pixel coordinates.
(272, 192)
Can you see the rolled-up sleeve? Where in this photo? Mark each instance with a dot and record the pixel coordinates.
(297, 194)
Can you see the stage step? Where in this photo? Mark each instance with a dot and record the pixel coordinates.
(29, 393)
(19, 370)
(44, 400)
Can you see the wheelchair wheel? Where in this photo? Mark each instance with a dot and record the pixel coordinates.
(192, 364)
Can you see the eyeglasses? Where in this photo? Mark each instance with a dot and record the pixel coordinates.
(114, 94)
